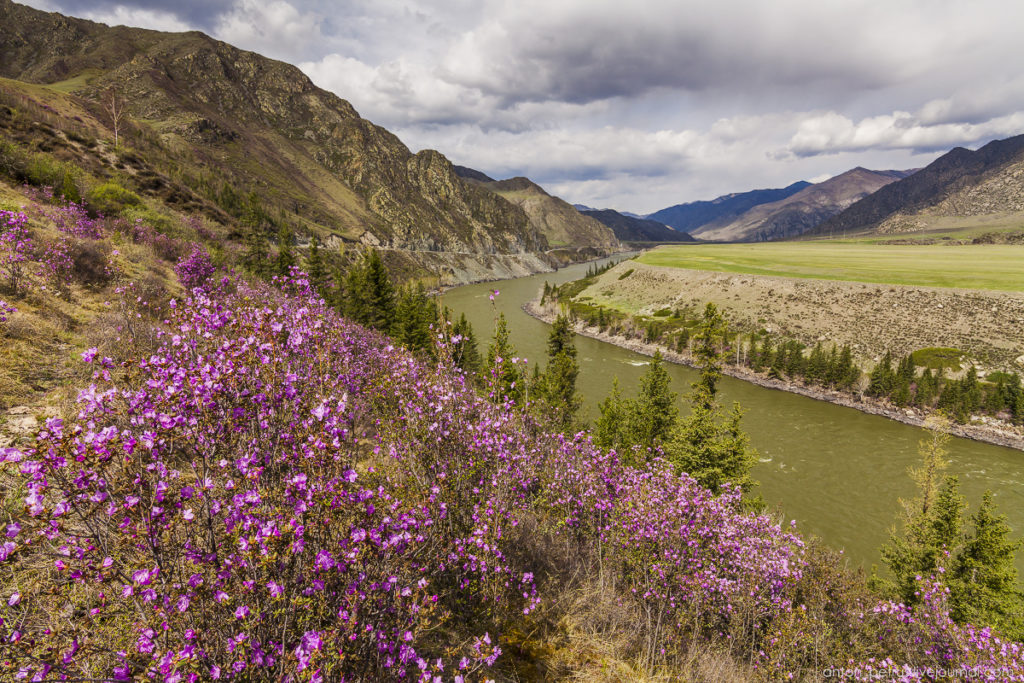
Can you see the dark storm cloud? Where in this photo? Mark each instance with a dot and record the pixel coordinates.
(201, 14)
(649, 103)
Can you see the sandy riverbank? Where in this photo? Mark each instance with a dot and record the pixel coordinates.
(998, 434)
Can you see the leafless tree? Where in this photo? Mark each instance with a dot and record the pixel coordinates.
(115, 106)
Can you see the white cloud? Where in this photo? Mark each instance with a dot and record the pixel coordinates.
(272, 27)
(831, 132)
(648, 103)
(157, 20)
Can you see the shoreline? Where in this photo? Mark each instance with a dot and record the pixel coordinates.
(977, 432)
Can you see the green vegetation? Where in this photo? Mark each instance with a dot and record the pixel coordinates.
(708, 443)
(976, 565)
(966, 266)
(936, 358)
(111, 199)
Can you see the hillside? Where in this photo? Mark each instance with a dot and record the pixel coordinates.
(959, 184)
(802, 211)
(630, 229)
(557, 220)
(691, 216)
(229, 125)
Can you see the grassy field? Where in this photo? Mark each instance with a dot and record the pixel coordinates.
(995, 267)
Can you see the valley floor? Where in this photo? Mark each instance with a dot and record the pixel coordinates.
(872, 318)
(988, 431)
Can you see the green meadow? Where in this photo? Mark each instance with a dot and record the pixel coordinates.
(975, 266)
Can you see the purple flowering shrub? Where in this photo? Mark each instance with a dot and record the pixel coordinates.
(5, 310)
(277, 494)
(195, 269)
(15, 250)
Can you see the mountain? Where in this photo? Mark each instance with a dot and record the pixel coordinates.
(467, 173)
(800, 212)
(689, 217)
(239, 129)
(556, 219)
(630, 229)
(960, 183)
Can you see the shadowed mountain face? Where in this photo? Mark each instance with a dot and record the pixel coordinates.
(690, 217)
(959, 183)
(556, 219)
(629, 229)
(258, 126)
(800, 212)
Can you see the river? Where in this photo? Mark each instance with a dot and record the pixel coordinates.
(837, 471)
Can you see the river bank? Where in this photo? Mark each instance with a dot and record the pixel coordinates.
(989, 431)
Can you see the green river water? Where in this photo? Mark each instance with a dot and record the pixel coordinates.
(837, 471)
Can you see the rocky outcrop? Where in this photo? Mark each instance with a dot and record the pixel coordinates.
(261, 126)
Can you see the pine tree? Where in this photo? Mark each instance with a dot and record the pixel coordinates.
(915, 552)
(285, 255)
(847, 372)
(257, 253)
(608, 429)
(381, 292)
(817, 365)
(708, 445)
(652, 415)
(505, 377)
(465, 352)
(708, 342)
(558, 400)
(415, 314)
(901, 383)
(983, 583)
(315, 267)
(970, 390)
(882, 378)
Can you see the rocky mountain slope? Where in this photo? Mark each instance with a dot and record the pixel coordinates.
(557, 220)
(802, 211)
(961, 184)
(233, 123)
(691, 216)
(630, 229)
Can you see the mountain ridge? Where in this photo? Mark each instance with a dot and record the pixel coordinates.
(800, 212)
(953, 174)
(690, 217)
(229, 118)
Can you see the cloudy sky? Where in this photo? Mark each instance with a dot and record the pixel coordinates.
(646, 104)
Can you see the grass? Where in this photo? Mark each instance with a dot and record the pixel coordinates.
(936, 358)
(995, 267)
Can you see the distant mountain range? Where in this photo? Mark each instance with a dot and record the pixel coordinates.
(690, 217)
(802, 211)
(630, 228)
(960, 187)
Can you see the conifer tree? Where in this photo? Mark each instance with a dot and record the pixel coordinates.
(847, 372)
(257, 253)
(285, 255)
(465, 352)
(380, 291)
(558, 399)
(708, 445)
(652, 415)
(983, 583)
(608, 429)
(415, 315)
(505, 377)
(708, 342)
(315, 267)
(882, 378)
(916, 551)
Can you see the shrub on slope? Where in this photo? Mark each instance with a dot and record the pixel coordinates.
(277, 494)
